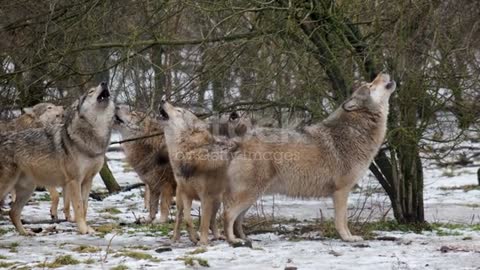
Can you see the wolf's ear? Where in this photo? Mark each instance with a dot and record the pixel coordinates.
(80, 102)
(28, 111)
(357, 99)
(352, 104)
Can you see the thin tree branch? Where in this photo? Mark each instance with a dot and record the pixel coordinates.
(149, 42)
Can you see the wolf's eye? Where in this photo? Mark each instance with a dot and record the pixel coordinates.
(91, 91)
(49, 108)
(179, 110)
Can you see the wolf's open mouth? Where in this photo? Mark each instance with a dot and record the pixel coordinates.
(119, 120)
(104, 95)
(163, 114)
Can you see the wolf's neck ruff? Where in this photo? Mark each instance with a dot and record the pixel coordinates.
(81, 145)
(366, 128)
(365, 122)
(84, 135)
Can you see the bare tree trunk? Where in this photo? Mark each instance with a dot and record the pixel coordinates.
(218, 93)
(109, 179)
(409, 186)
(478, 176)
(31, 88)
(203, 84)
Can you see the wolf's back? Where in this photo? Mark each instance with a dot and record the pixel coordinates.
(39, 143)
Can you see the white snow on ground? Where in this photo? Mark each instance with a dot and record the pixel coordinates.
(270, 251)
(441, 205)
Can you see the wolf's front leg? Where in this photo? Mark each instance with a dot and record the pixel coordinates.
(66, 205)
(153, 205)
(213, 221)
(55, 198)
(187, 213)
(340, 202)
(166, 199)
(146, 197)
(178, 218)
(86, 188)
(75, 193)
(207, 213)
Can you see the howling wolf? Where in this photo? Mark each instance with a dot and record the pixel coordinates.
(149, 158)
(325, 159)
(199, 161)
(67, 155)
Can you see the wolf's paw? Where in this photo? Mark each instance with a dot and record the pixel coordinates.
(147, 220)
(27, 233)
(163, 220)
(159, 221)
(202, 243)
(24, 232)
(241, 243)
(353, 238)
(219, 237)
(194, 240)
(90, 230)
(175, 239)
(86, 230)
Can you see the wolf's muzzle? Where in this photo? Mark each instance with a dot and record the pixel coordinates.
(105, 94)
(119, 120)
(104, 85)
(391, 85)
(163, 114)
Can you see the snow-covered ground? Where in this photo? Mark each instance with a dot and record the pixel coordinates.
(123, 244)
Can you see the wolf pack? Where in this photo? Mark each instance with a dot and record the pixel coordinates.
(229, 162)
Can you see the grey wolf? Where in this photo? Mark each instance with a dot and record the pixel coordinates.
(199, 162)
(67, 155)
(40, 115)
(236, 125)
(149, 158)
(325, 159)
(35, 117)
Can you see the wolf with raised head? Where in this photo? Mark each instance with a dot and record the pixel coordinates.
(149, 158)
(67, 155)
(199, 161)
(236, 125)
(324, 159)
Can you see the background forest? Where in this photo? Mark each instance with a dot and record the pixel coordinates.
(288, 61)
